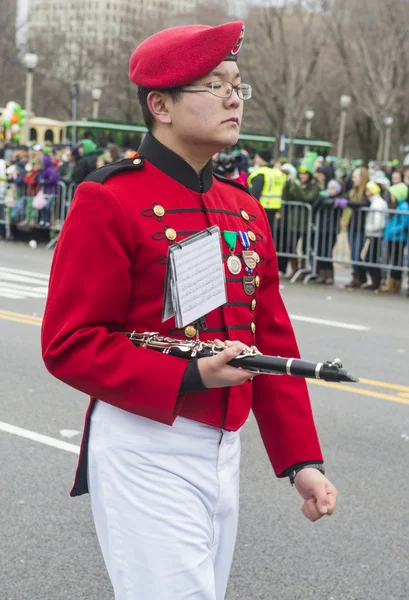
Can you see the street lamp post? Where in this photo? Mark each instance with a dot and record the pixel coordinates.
(388, 122)
(96, 96)
(74, 102)
(309, 115)
(344, 101)
(30, 61)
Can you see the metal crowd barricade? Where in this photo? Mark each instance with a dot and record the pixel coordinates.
(357, 238)
(61, 213)
(17, 207)
(292, 233)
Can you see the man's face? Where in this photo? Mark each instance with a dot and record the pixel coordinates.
(205, 119)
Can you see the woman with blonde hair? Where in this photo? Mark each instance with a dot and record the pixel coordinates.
(356, 223)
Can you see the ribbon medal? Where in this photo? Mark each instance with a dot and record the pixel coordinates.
(249, 256)
(233, 262)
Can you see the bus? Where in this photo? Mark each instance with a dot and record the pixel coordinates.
(129, 135)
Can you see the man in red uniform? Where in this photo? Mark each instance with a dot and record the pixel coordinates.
(160, 452)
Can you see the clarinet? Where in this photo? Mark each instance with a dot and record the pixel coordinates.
(250, 359)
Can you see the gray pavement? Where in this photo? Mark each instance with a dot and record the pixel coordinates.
(48, 546)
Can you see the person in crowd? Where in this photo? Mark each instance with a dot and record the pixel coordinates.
(355, 220)
(47, 178)
(303, 190)
(374, 226)
(396, 177)
(111, 155)
(66, 166)
(282, 238)
(31, 187)
(384, 183)
(406, 175)
(226, 165)
(87, 163)
(327, 219)
(17, 170)
(266, 184)
(324, 167)
(396, 235)
(3, 187)
(243, 162)
(322, 178)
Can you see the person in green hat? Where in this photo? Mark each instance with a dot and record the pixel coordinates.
(304, 190)
(87, 163)
(396, 235)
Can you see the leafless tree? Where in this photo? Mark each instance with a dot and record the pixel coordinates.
(372, 39)
(283, 48)
(12, 72)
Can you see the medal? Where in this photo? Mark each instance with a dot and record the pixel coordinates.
(248, 285)
(249, 258)
(233, 262)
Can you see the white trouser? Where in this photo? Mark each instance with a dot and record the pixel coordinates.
(165, 504)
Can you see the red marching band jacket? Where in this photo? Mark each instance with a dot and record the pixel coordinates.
(108, 276)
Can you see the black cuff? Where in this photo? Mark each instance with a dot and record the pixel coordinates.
(192, 381)
(303, 464)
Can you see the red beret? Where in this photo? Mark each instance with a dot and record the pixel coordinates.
(181, 55)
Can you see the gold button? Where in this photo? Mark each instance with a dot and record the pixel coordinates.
(253, 327)
(257, 280)
(253, 304)
(245, 215)
(159, 210)
(190, 331)
(137, 161)
(256, 256)
(170, 234)
(251, 236)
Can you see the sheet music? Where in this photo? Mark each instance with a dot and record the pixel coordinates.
(196, 281)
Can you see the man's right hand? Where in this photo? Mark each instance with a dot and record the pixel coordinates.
(216, 373)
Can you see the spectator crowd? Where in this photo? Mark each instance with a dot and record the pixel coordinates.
(315, 205)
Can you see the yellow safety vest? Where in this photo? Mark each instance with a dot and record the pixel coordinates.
(274, 182)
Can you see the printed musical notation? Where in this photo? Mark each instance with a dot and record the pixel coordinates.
(196, 280)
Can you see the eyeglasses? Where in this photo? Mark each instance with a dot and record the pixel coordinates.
(223, 89)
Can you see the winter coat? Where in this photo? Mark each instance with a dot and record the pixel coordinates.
(329, 217)
(84, 167)
(396, 229)
(358, 217)
(31, 182)
(376, 216)
(298, 216)
(48, 177)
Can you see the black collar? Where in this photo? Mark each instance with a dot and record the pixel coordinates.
(173, 165)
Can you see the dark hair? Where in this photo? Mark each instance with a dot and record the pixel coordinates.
(143, 94)
(115, 153)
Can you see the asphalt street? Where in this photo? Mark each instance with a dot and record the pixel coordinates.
(48, 546)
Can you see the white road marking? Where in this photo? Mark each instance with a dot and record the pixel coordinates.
(19, 285)
(339, 324)
(12, 285)
(69, 433)
(20, 272)
(38, 437)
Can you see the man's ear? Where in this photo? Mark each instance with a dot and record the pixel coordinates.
(158, 104)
